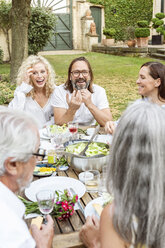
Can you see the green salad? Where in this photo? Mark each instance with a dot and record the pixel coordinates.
(58, 129)
(93, 149)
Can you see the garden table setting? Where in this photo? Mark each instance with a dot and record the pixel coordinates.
(74, 199)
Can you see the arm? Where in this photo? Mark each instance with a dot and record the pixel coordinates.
(20, 96)
(89, 233)
(44, 236)
(100, 115)
(62, 115)
(109, 237)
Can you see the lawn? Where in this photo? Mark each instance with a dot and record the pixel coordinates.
(116, 74)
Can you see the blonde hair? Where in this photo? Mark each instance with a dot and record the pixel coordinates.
(29, 62)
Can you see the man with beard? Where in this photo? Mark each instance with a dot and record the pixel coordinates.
(18, 155)
(79, 99)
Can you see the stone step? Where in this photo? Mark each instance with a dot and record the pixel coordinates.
(158, 55)
(162, 50)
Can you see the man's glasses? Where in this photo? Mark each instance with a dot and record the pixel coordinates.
(39, 153)
(76, 74)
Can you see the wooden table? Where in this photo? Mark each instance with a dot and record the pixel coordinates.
(67, 232)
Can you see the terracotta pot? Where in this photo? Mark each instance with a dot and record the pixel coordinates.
(108, 42)
(131, 43)
(142, 42)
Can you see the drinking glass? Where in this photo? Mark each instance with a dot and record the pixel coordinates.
(102, 183)
(56, 140)
(45, 199)
(73, 129)
(92, 178)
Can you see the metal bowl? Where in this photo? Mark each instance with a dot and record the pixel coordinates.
(83, 163)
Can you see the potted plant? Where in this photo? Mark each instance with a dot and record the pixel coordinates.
(110, 35)
(142, 32)
(158, 25)
(130, 36)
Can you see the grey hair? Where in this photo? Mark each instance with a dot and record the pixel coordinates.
(18, 136)
(136, 174)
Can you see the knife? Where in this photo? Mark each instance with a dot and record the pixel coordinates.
(78, 202)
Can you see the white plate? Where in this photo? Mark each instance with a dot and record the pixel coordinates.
(105, 138)
(89, 209)
(54, 183)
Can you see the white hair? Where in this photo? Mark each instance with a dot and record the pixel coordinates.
(18, 136)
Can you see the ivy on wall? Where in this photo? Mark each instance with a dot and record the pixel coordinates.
(120, 14)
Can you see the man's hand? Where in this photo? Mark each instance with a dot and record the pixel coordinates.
(89, 233)
(75, 101)
(44, 236)
(86, 96)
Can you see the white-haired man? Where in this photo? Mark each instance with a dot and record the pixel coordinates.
(19, 144)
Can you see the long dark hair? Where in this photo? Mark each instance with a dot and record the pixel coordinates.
(68, 84)
(157, 70)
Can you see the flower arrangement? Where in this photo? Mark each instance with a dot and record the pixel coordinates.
(63, 207)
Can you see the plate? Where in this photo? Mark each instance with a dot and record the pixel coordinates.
(54, 183)
(42, 174)
(105, 138)
(89, 209)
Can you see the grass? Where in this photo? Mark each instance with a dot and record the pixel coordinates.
(116, 74)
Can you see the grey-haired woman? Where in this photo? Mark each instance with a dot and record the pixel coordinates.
(136, 177)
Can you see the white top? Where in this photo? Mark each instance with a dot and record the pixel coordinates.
(83, 115)
(13, 230)
(43, 115)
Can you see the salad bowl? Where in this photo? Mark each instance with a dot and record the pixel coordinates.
(91, 160)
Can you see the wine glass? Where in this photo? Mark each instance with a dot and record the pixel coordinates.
(45, 199)
(73, 129)
(56, 140)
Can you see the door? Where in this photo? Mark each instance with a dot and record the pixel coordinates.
(62, 37)
(62, 31)
(96, 14)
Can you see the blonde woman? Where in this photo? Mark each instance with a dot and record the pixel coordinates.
(35, 89)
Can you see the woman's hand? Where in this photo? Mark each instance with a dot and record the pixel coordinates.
(110, 127)
(89, 233)
(27, 75)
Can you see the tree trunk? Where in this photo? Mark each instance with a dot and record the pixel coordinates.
(20, 17)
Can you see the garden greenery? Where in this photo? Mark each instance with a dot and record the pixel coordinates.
(40, 28)
(120, 14)
(41, 24)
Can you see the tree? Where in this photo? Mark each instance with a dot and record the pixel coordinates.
(5, 23)
(20, 17)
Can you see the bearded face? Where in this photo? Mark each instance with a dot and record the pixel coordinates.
(80, 83)
(80, 75)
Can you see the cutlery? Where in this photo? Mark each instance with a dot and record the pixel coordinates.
(82, 153)
(78, 202)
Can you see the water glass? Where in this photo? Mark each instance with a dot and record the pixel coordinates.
(57, 140)
(92, 178)
(102, 183)
(45, 199)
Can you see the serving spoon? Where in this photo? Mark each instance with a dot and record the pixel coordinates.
(82, 153)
